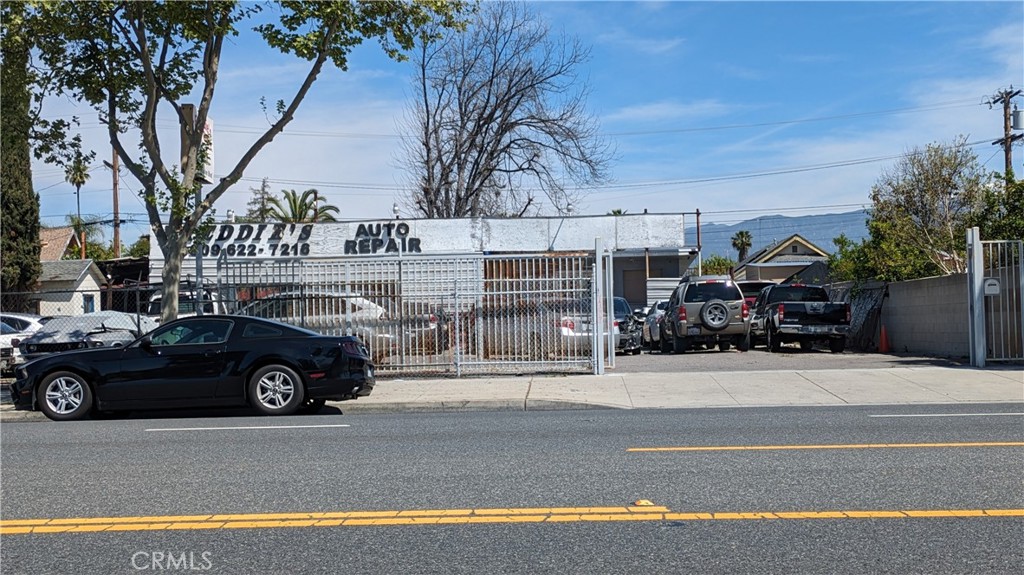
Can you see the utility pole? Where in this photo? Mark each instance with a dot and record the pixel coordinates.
(1005, 97)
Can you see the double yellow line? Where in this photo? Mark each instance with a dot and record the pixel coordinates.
(451, 517)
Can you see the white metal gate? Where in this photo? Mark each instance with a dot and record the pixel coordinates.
(442, 315)
(996, 286)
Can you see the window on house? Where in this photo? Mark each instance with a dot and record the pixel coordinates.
(793, 249)
(88, 303)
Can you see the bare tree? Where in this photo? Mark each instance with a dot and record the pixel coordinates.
(499, 123)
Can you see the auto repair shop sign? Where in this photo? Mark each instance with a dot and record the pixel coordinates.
(282, 240)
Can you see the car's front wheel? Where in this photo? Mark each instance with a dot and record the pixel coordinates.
(276, 390)
(64, 396)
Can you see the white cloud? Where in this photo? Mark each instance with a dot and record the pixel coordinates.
(666, 110)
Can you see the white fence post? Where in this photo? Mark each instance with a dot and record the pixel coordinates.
(976, 297)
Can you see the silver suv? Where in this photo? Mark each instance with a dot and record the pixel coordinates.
(707, 310)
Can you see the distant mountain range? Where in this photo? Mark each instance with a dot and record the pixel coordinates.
(716, 239)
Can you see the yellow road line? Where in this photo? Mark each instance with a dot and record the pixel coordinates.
(457, 516)
(835, 446)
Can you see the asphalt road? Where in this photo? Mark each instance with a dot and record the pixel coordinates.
(899, 475)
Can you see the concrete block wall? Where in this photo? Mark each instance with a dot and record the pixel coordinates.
(928, 316)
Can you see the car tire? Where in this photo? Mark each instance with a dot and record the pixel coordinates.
(276, 390)
(715, 315)
(664, 344)
(680, 344)
(724, 345)
(837, 345)
(806, 345)
(64, 396)
(311, 406)
(774, 342)
(743, 342)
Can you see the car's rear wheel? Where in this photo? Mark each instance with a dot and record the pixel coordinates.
(664, 344)
(837, 345)
(276, 390)
(724, 345)
(774, 342)
(743, 343)
(64, 396)
(680, 344)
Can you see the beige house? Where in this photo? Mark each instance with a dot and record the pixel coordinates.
(780, 261)
(69, 287)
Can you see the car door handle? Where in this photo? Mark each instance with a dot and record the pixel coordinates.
(211, 352)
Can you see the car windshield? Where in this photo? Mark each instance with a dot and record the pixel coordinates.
(712, 290)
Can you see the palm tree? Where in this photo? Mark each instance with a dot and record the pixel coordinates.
(77, 174)
(296, 209)
(742, 241)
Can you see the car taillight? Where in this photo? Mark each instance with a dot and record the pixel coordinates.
(782, 311)
(433, 320)
(568, 324)
(354, 348)
(847, 313)
(746, 310)
(682, 313)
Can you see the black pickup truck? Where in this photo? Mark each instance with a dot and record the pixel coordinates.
(788, 313)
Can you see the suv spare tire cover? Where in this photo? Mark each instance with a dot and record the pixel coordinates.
(715, 315)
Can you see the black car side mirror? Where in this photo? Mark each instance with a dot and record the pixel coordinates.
(146, 343)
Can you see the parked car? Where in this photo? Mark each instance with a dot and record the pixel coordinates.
(206, 361)
(96, 329)
(751, 289)
(627, 326)
(9, 353)
(536, 329)
(707, 310)
(24, 322)
(652, 324)
(386, 327)
(799, 313)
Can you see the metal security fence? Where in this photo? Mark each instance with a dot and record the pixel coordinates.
(441, 315)
(1003, 286)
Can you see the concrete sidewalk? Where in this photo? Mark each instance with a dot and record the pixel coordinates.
(911, 385)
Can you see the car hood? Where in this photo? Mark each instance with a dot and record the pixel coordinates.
(76, 356)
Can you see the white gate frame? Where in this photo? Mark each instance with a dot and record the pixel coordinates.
(1008, 332)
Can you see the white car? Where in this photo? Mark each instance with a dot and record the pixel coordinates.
(652, 329)
(9, 340)
(23, 322)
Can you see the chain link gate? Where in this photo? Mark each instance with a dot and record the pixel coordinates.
(476, 314)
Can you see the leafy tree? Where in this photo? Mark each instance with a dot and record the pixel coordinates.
(129, 60)
(1002, 213)
(741, 242)
(89, 230)
(717, 265)
(497, 108)
(617, 212)
(19, 203)
(926, 203)
(259, 207)
(139, 249)
(296, 209)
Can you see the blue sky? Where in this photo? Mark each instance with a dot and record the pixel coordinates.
(738, 109)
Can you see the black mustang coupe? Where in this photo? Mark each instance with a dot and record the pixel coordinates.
(203, 361)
